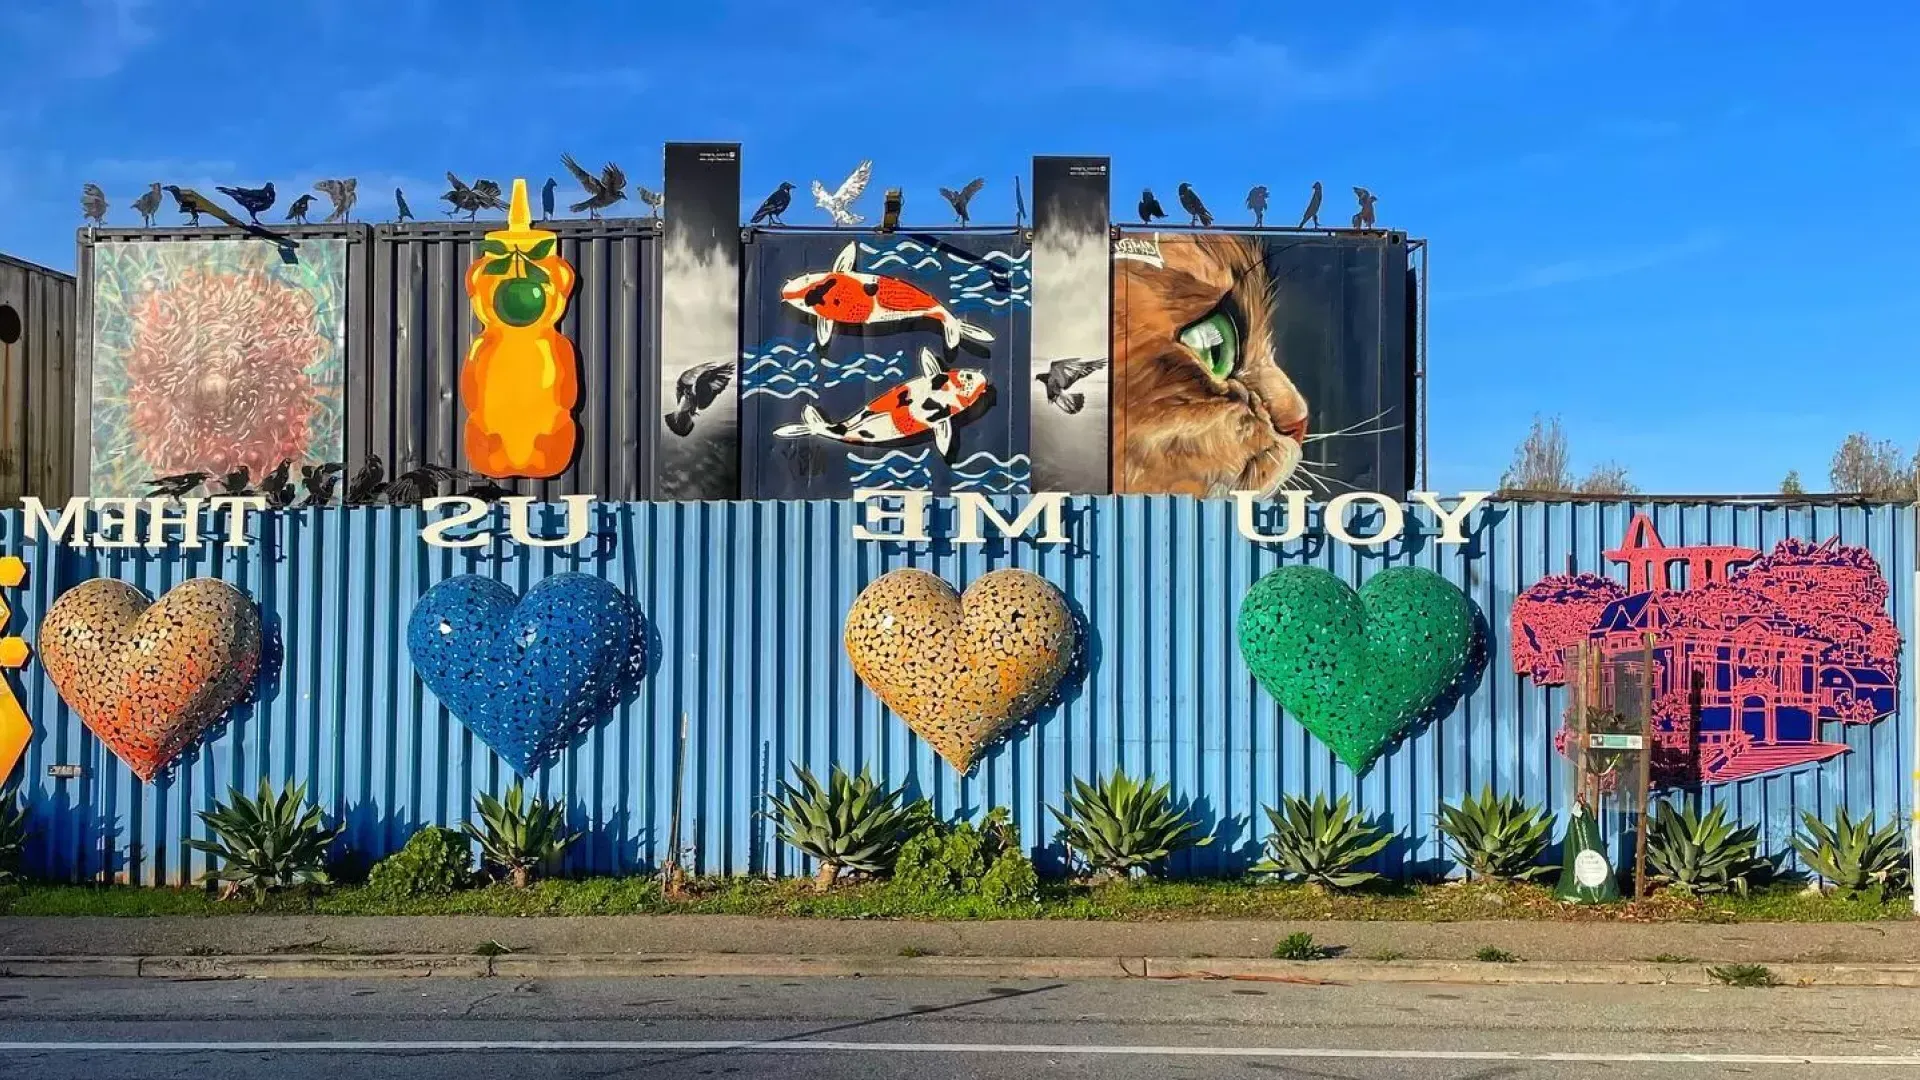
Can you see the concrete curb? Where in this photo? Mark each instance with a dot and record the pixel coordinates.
(635, 965)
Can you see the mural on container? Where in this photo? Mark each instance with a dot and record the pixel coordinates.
(885, 361)
(962, 671)
(213, 355)
(1753, 653)
(699, 432)
(16, 730)
(526, 674)
(1356, 669)
(520, 385)
(150, 677)
(1072, 321)
(1260, 363)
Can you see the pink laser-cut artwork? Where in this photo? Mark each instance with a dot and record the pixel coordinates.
(1752, 654)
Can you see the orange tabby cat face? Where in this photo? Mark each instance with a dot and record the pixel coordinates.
(1201, 405)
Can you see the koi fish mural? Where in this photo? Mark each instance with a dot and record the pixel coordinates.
(844, 297)
(930, 402)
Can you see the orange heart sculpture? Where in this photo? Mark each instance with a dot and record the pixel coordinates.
(148, 678)
(960, 670)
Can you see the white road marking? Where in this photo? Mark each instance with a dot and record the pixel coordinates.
(805, 1046)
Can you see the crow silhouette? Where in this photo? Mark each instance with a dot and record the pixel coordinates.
(174, 487)
(405, 212)
(486, 490)
(774, 205)
(274, 486)
(297, 211)
(483, 195)
(193, 204)
(602, 191)
(410, 487)
(959, 199)
(1312, 212)
(695, 390)
(319, 482)
(546, 198)
(1149, 207)
(93, 204)
(148, 205)
(369, 484)
(1190, 202)
(255, 201)
(1257, 202)
(1064, 373)
(237, 482)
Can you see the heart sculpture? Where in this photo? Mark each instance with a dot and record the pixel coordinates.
(149, 677)
(527, 674)
(960, 670)
(1355, 669)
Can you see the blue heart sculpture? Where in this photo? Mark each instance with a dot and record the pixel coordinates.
(527, 674)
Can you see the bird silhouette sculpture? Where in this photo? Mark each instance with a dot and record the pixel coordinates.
(342, 194)
(1062, 374)
(297, 210)
(483, 195)
(546, 198)
(255, 201)
(177, 486)
(1257, 202)
(319, 482)
(402, 211)
(838, 203)
(414, 485)
(1190, 202)
(275, 487)
(774, 205)
(602, 191)
(959, 199)
(1149, 207)
(148, 205)
(1363, 218)
(1019, 206)
(93, 204)
(1312, 212)
(369, 484)
(651, 199)
(193, 204)
(695, 391)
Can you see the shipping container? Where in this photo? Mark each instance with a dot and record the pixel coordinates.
(37, 381)
(745, 604)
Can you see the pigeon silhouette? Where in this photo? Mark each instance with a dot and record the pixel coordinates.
(652, 199)
(405, 212)
(1312, 212)
(255, 201)
(93, 204)
(1257, 202)
(1363, 219)
(297, 212)
(1149, 207)
(959, 199)
(774, 205)
(839, 203)
(148, 205)
(1064, 373)
(1196, 210)
(695, 391)
(602, 191)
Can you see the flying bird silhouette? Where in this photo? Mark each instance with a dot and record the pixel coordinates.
(546, 198)
(1312, 212)
(959, 199)
(1190, 202)
(602, 191)
(839, 203)
(369, 483)
(297, 212)
(1257, 202)
(695, 391)
(174, 487)
(774, 205)
(653, 199)
(1064, 373)
(400, 204)
(255, 201)
(342, 194)
(148, 205)
(193, 204)
(1019, 206)
(1149, 207)
(483, 195)
(1363, 219)
(319, 482)
(93, 204)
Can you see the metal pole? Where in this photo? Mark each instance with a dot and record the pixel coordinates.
(1646, 767)
(1426, 421)
(1913, 808)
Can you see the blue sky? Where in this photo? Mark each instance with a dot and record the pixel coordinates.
(1678, 226)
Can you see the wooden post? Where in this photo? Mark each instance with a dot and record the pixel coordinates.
(672, 874)
(1646, 768)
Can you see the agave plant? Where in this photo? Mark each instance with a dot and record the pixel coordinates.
(1120, 825)
(1853, 855)
(1321, 842)
(13, 837)
(267, 842)
(1497, 837)
(519, 836)
(1702, 854)
(852, 823)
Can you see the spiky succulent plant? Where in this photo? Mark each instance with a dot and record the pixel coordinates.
(851, 823)
(1853, 855)
(1497, 837)
(1702, 854)
(267, 842)
(519, 836)
(1321, 842)
(1120, 825)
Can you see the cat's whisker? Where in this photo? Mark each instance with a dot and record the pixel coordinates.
(1324, 479)
(1381, 415)
(1350, 434)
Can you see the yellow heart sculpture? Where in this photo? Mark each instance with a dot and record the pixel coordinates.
(960, 671)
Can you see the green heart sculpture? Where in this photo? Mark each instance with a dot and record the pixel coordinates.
(1355, 668)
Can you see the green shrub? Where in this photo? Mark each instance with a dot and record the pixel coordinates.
(1701, 855)
(1499, 838)
(1321, 842)
(1119, 825)
(1744, 975)
(267, 842)
(1298, 945)
(1493, 954)
(1853, 855)
(519, 836)
(983, 862)
(852, 823)
(13, 838)
(434, 862)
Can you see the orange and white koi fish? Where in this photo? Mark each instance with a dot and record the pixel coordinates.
(929, 402)
(849, 298)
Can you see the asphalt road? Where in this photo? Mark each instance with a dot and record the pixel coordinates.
(496, 1029)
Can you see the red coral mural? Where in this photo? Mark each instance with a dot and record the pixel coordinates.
(1751, 655)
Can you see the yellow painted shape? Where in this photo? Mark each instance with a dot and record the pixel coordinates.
(15, 729)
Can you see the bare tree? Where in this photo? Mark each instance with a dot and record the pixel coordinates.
(1540, 463)
(1607, 478)
(1791, 485)
(1878, 469)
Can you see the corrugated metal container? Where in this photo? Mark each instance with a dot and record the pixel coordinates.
(745, 603)
(36, 381)
(403, 402)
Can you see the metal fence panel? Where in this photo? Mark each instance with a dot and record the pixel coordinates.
(36, 381)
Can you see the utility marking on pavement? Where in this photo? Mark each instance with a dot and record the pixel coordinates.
(803, 1046)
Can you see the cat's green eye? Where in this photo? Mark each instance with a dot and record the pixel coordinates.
(1216, 341)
